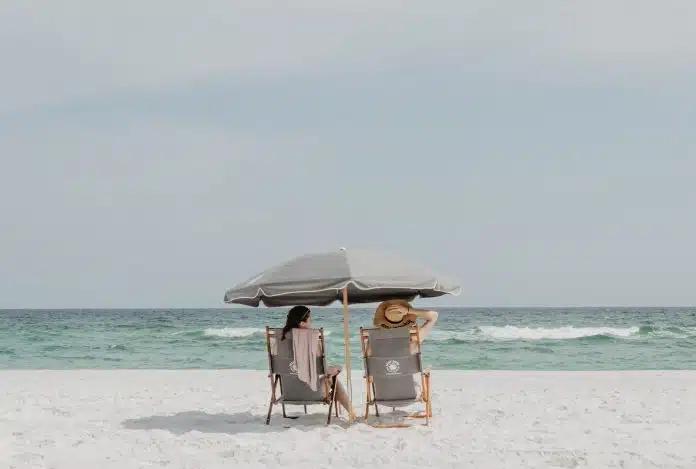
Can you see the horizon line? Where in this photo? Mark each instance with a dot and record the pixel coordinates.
(338, 306)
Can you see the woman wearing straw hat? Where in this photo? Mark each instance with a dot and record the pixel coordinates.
(399, 313)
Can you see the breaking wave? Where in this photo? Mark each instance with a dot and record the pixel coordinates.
(502, 333)
(233, 332)
(559, 333)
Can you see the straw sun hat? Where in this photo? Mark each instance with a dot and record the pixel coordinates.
(394, 313)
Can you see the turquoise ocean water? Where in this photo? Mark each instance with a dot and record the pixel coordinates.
(464, 338)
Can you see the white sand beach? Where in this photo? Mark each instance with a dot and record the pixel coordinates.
(214, 419)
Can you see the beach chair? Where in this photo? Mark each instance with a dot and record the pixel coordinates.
(391, 369)
(286, 386)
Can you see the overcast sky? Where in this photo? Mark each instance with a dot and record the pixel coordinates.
(153, 154)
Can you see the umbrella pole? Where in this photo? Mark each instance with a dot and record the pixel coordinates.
(346, 332)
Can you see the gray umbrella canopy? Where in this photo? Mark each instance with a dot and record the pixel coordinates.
(319, 279)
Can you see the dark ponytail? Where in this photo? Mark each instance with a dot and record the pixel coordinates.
(296, 315)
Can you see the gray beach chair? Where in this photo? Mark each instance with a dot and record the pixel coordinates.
(391, 369)
(286, 386)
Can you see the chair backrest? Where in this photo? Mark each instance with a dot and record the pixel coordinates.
(281, 361)
(391, 363)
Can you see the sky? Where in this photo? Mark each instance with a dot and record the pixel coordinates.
(154, 154)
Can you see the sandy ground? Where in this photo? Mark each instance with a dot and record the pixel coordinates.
(214, 419)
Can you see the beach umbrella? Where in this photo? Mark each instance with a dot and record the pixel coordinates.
(352, 276)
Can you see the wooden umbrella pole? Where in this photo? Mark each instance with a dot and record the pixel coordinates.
(346, 333)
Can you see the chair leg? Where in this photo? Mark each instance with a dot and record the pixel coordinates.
(328, 417)
(332, 401)
(368, 398)
(427, 385)
(273, 398)
(374, 391)
(270, 409)
(293, 417)
(305, 409)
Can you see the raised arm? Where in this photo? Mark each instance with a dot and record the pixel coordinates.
(430, 320)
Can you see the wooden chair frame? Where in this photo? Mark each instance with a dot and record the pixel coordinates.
(329, 381)
(424, 397)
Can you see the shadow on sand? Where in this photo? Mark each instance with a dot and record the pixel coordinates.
(232, 424)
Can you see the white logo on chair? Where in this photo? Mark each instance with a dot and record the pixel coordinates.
(392, 366)
(293, 367)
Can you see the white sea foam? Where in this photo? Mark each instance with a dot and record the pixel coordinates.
(233, 332)
(441, 336)
(557, 333)
(532, 333)
(675, 332)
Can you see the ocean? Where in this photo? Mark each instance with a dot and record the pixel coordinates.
(464, 338)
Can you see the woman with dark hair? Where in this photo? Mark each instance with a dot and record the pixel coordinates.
(300, 317)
